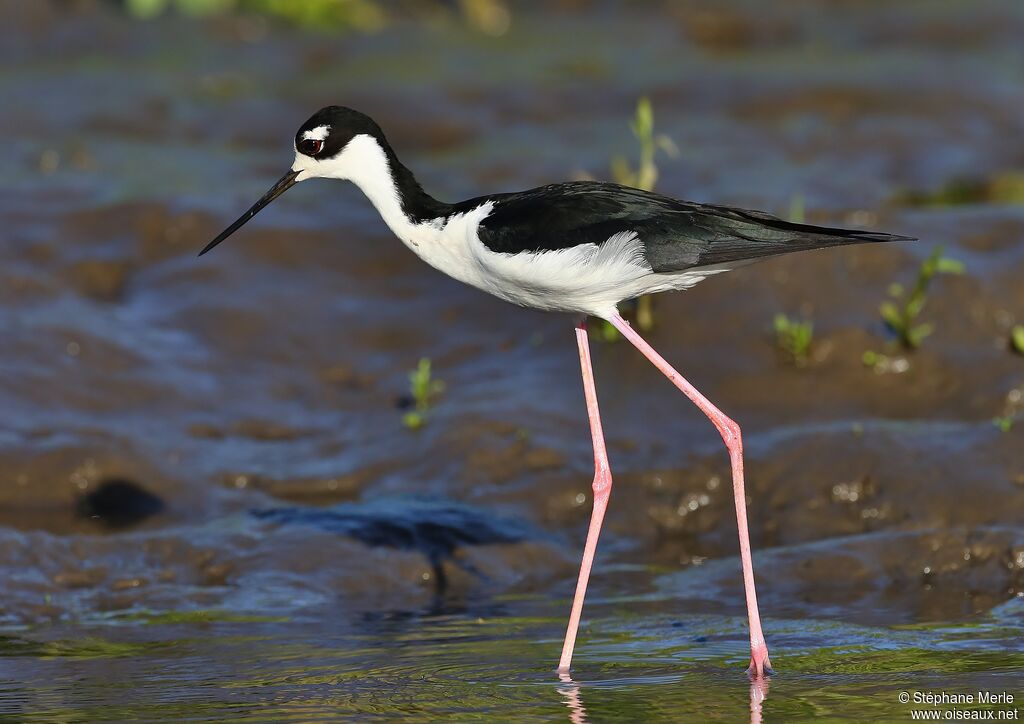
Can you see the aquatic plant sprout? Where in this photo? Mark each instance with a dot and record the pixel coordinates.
(797, 211)
(1002, 187)
(900, 314)
(883, 363)
(794, 337)
(423, 389)
(360, 15)
(1003, 422)
(1017, 339)
(643, 177)
(490, 17)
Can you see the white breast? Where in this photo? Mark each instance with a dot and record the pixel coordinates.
(448, 245)
(587, 279)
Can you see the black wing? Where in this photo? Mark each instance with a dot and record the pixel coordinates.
(676, 235)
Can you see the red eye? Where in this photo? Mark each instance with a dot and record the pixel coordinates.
(311, 146)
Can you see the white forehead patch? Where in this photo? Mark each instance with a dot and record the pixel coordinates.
(317, 134)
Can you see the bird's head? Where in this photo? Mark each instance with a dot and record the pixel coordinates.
(336, 142)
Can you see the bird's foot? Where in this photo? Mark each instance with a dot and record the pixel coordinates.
(760, 666)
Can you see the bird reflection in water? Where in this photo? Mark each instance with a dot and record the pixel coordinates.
(573, 698)
(570, 691)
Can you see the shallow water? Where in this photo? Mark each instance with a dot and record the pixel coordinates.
(885, 509)
(488, 660)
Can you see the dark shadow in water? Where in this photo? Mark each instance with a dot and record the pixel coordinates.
(434, 528)
(118, 503)
(439, 609)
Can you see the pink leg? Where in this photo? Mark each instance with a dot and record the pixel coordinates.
(730, 431)
(602, 488)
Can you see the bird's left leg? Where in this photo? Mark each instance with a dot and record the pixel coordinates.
(730, 432)
(602, 489)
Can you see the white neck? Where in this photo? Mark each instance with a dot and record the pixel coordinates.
(364, 163)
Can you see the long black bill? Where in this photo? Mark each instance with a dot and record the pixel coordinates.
(286, 182)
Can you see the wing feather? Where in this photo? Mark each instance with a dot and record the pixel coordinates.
(676, 235)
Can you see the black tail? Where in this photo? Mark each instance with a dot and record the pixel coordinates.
(754, 234)
(704, 235)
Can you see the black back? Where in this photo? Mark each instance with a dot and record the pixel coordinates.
(676, 235)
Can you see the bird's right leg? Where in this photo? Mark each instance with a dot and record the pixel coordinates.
(602, 489)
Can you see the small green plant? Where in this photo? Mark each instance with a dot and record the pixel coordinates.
(358, 15)
(1013, 409)
(1003, 422)
(1001, 187)
(797, 212)
(643, 177)
(607, 332)
(884, 364)
(1017, 338)
(901, 313)
(794, 337)
(423, 390)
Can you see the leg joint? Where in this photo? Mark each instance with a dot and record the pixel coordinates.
(602, 479)
(731, 433)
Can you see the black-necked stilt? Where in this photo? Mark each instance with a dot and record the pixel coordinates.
(581, 248)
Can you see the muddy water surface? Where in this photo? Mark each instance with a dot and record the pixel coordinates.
(886, 509)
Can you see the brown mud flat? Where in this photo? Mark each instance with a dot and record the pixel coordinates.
(267, 374)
